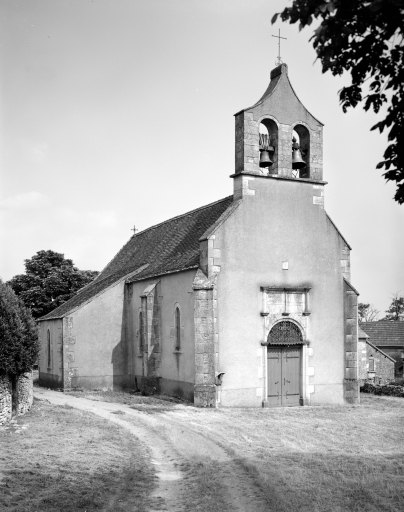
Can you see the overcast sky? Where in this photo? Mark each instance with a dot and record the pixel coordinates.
(117, 113)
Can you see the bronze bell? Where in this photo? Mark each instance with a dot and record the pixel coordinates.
(265, 160)
(297, 160)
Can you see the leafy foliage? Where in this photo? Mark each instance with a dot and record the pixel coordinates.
(49, 281)
(367, 313)
(387, 389)
(364, 37)
(18, 335)
(396, 309)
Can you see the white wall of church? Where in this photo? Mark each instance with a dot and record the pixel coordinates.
(279, 224)
(92, 341)
(175, 368)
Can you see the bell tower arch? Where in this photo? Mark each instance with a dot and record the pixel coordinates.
(278, 137)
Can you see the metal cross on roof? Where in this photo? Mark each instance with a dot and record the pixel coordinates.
(279, 37)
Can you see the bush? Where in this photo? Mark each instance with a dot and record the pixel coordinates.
(387, 389)
(18, 335)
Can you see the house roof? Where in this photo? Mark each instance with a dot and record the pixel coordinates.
(378, 349)
(385, 333)
(362, 334)
(171, 246)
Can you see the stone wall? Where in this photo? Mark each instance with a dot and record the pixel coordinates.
(380, 371)
(351, 383)
(5, 400)
(23, 397)
(280, 105)
(205, 349)
(25, 393)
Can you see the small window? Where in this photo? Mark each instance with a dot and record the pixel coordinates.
(371, 364)
(49, 349)
(141, 332)
(177, 329)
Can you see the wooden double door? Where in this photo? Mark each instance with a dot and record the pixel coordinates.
(284, 375)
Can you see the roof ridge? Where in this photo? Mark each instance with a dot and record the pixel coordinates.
(127, 275)
(167, 247)
(150, 228)
(181, 215)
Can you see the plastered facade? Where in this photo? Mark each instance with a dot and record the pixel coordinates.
(98, 345)
(278, 225)
(160, 364)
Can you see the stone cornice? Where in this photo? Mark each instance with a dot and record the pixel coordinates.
(276, 177)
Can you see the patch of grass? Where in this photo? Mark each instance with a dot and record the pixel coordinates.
(66, 460)
(203, 493)
(325, 459)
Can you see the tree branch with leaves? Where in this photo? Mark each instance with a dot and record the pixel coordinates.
(396, 309)
(365, 38)
(50, 279)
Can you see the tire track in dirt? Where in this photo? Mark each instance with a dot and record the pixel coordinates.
(239, 487)
(193, 471)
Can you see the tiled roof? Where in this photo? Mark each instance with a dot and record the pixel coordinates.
(170, 246)
(362, 334)
(385, 333)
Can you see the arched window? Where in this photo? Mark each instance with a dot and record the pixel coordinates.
(268, 145)
(49, 348)
(301, 152)
(177, 321)
(141, 332)
(285, 333)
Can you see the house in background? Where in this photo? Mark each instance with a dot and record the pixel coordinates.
(244, 302)
(374, 365)
(388, 335)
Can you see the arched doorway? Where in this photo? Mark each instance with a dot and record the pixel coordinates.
(284, 368)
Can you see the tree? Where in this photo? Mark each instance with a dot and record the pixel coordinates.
(18, 335)
(364, 37)
(49, 280)
(396, 309)
(367, 313)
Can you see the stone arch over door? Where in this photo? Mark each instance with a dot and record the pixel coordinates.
(284, 364)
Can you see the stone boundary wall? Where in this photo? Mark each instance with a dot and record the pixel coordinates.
(23, 398)
(5, 400)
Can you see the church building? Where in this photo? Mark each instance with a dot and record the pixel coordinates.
(246, 301)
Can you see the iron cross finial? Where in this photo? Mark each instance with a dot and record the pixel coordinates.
(279, 37)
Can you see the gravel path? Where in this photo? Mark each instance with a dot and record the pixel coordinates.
(194, 471)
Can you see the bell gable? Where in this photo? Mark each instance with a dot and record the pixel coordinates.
(278, 136)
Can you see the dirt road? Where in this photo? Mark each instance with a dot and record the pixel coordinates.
(195, 469)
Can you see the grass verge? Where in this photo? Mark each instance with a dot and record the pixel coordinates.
(317, 459)
(60, 459)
